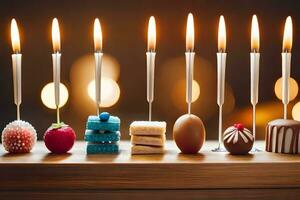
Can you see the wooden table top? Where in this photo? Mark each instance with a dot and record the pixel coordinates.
(42, 170)
(78, 155)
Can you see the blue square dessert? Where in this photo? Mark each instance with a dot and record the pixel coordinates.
(111, 125)
(102, 148)
(95, 136)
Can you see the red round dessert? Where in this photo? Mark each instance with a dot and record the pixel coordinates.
(59, 139)
(18, 137)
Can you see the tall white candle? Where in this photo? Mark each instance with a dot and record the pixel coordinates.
(286, 62)
(16, 63)
(221, 68)
(56, 60)
(189, 58)
(254, 69)
(98, 61)
(150, 55)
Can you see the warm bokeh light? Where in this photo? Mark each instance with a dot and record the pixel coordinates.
(222, 35)
(97, 36)
(265, 111)
(151, 34)
(190, 33)
(55, 35)
(85, 68)
(254, 35)
(110, 92)
(296, 111)
(288, 35)
(47, 95)
(15, 36)
(196, 91)
(229, 104)
(179, 90)
(293, 88)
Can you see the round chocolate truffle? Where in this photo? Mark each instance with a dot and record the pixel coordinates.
(238, 140)
(189, 133)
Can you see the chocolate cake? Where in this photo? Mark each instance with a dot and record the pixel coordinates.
(283, 136)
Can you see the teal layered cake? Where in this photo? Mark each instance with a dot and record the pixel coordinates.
(102, 134)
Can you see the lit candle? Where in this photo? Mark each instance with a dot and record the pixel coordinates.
(98, 61)
(189, 58)
(16, 62)
(56, 57)
(221, 68)
(254, 68)
(150, 55)
(286, 62)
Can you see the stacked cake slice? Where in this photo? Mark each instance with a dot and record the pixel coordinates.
(102, 134)
(147, 137)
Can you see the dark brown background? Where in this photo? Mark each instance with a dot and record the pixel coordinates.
(124, 26)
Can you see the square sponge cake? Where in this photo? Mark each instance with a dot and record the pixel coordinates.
(148, 140)
(141, 149)
(149, 128)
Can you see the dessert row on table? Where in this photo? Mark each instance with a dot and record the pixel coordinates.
(148, 137)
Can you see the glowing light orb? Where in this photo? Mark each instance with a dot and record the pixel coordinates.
(296, 111)
(110, 92)
(48, 98)
(196, 91)
(293, 88)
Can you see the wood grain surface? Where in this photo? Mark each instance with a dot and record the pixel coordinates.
(41, 172)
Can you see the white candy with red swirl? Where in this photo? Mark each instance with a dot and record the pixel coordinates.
(238, 139)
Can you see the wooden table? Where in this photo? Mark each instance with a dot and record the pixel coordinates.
(40, 175)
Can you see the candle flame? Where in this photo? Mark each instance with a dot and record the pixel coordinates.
(97, 36)
(288, 35)
(222, 35)
(15, 36)
(254, 35)
(151, 34)
(190, 33)
(55, 35)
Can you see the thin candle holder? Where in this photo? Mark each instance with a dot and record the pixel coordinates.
(150, 55)
(98, 69)
(56, 59)
(221, 68)
(189, 58)
(286, 71)
(17, 76)
(254, 70)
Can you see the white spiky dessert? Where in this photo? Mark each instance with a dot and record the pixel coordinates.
(18, 137)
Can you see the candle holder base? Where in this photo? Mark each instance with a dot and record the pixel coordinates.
(255, 149)
(219, 149)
